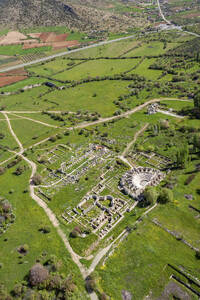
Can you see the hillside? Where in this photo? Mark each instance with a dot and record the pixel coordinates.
(37, 12)
(21, 13)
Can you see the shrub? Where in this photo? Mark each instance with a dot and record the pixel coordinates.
(197, 254)
(189, 179)
(2, 170)
(45, 229)
(23, 249)
(52, 139)
(90, 284)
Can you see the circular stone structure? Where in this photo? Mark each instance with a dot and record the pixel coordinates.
(134, 181)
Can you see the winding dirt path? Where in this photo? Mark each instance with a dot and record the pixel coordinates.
(134, 140)
(33, 120)
(13, 134)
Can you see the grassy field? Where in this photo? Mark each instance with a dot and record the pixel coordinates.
(8, 139)
(151, 49)
(138, 265)
(97, 68)
(112, 50)
(94, 96)
(24, 231)
(143, 70)
(49, 68)
(30, 132)
(19, 85)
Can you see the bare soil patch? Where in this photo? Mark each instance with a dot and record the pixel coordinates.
(12, 77)
(46, 37)
(14, 38)
(55, 45)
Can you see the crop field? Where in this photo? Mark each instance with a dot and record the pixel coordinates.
(74, 135)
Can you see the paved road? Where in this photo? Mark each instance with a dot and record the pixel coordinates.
(64, 53)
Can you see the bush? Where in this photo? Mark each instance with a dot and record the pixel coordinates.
(37, 179)
(197, 254)
(52, 139)
(90, 284)
(189, 179)
(23, 249)
(165, 196)
(45, 229)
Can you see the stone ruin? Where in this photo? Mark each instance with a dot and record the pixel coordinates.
(152, 108)
(133, 182)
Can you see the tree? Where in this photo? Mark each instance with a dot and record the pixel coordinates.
(150, 195)
(37, 179)
(196, 142)
(38, 274)
(76, 232)
(197, 100)
(182, 156)
(165, 196)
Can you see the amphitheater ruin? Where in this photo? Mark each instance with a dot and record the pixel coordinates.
(134, 181)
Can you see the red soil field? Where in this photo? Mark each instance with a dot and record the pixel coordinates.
(55, 45)
(12, 77)
(46, 37)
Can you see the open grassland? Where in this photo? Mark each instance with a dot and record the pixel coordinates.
(151, 49)
(93, 96)
(26, 100)
(15, 87)
(97, 68)
(49, 68)
(111, 50)
(7, 140)
(143, 70)
(30, 132)
(138, 265)
(29, 219)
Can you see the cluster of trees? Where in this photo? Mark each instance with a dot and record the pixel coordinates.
(6, 215)
(163, 196)
(44, 281)
(91, 284)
